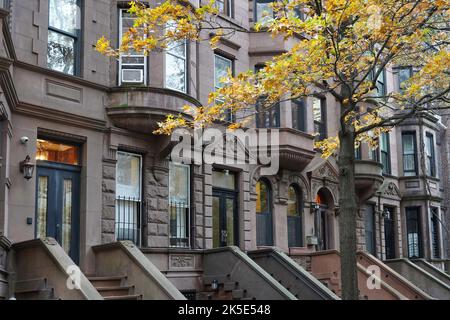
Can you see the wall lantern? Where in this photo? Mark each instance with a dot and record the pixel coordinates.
(27, 168)
(215, 285)
(314, 207)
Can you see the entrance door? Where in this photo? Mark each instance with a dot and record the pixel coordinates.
(225, 220)
(389, 233)
(57, 205)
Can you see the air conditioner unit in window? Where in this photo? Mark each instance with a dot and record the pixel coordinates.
(132, 76)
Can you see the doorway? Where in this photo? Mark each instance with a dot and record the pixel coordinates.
(58, 195)
(225, 209)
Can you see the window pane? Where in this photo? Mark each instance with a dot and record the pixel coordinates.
(262, 201)
(222, 65)
(41, 223)
(408, 144)
(264, 13)
(128, 176)
(179, 184)
(57, 152)
(67, 215)
(317, 110)
(230, 221)
(61, 52)
(64, 15)
(224, 179)
(175, 73)
(403, 75)
(293, 202)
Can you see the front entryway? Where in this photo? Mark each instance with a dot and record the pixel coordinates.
(389, 232)
(58, 195)
(225, 210)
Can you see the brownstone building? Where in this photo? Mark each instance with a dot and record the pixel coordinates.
(81, 170)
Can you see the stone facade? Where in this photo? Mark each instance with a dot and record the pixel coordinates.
(92, 111)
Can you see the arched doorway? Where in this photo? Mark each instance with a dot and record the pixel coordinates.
(323, 222)
(264, 224)
(294, 216)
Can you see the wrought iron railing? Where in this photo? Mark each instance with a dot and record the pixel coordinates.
(179, 224)
(128, 219)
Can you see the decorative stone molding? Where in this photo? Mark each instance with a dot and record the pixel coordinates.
(182, 261)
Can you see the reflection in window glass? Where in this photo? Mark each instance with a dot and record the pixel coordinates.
(403, 75)
(41, 220)
(128, 175)
(67, 215)
(264, 12)
(57, 152)
(176, 67)
(63, 33)
(262, 200)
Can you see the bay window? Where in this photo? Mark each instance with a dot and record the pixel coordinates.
(64, 32)
(179, 205)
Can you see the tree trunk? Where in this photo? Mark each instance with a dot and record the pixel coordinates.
(347, 214)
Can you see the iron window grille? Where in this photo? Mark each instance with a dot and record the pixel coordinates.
(128, 219)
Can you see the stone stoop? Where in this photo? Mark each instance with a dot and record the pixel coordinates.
(35, 289)
(114, 288)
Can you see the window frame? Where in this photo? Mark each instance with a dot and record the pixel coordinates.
(140, 201)
(186, 73)
(398, 83)
(120, 62)
(229, 116)
(228, 6)
(77, 38)
(415, 172)
(431, 157)
(187, 207)
(255, 9)
(387, 170)
(323, 131)
(417, 211)
(298, 109)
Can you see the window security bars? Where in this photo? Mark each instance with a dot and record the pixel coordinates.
(179, 224)
(128, 219)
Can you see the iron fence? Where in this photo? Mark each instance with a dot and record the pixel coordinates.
(179, 224)
(128, 219)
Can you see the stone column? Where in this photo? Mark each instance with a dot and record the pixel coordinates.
(109, 197)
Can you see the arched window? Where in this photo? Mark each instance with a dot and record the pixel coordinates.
(294, 216)
(264, 229)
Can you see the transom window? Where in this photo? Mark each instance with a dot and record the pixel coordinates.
(64, 31)
(55, 151)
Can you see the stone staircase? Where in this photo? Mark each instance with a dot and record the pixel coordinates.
(114, 288)
(35, 289)
(226, 289)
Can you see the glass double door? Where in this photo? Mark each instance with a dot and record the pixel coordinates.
(225, 220)
(57, 206)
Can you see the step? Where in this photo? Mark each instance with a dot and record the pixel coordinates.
(125, 297)
(115, 291)
(115, 281)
